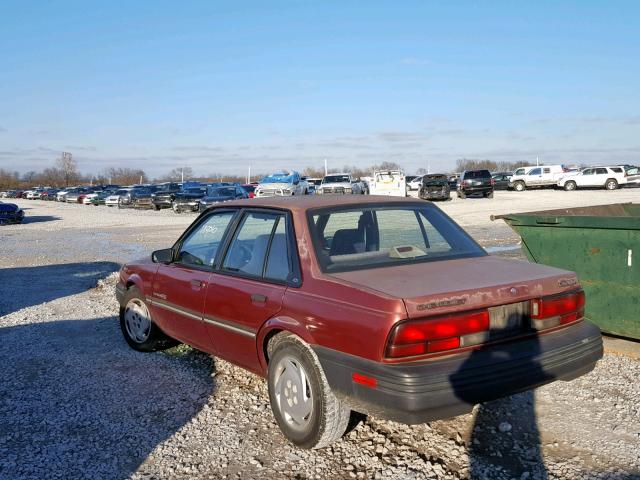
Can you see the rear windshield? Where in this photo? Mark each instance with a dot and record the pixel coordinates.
(372, 236)
(477, 174)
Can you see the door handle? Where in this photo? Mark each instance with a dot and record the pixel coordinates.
(197, 283)
(256, 297)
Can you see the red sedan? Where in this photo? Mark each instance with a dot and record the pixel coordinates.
(378, 305)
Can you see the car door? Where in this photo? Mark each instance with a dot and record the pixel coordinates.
(180, 287)
(585, 178)
(249, 286)
(534, 177)
(601, 176)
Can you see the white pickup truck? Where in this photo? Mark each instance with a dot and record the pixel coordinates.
(536, 177)
(388, 182)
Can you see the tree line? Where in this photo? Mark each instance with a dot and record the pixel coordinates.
(64, 173)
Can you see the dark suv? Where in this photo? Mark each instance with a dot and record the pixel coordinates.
(475, 181)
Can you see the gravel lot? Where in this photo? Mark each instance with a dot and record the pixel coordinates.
(76, 401)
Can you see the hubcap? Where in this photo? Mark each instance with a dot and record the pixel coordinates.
(137, 320)
(293, 393)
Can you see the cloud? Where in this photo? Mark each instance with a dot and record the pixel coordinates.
(80, 148)
(400, 136)
(196, 148)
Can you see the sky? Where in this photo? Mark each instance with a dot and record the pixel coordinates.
(223, 86)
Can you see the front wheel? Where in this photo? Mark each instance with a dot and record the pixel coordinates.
(570, 186)
(519, 187)
(139, 330)
(307, 411)
(611, 184)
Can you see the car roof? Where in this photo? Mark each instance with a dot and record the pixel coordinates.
(308, 202)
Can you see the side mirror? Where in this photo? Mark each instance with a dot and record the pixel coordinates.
(162, 256)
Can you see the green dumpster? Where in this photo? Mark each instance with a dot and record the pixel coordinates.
(602, 245)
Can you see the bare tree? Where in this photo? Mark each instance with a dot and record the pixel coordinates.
(69, 168)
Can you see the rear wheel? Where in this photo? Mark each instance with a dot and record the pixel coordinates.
(137, 325)
(489, 195)
(461, 195)
(570, 185)
(519, 187)
(611, 184)
(307, 411)
(156, 207)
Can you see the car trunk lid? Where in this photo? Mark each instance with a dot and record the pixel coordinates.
(440, 287)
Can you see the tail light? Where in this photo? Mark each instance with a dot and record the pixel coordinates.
(252, 195)
(493, 181)
(438, 334)
(467, 329)
(556, 310)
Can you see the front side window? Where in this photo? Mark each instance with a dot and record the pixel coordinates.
(259, 247)
(378, 236)
(588, 171)
(200, 247)
(601, 171)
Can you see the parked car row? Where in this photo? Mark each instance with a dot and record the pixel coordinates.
(609, 177)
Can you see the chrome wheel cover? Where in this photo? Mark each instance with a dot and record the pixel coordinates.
(292, 390)
(137, 320)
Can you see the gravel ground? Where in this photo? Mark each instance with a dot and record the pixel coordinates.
(76, 401)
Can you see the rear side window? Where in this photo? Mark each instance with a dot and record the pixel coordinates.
(260, 247)
(546, 170)
(535, 171)
(617, 169)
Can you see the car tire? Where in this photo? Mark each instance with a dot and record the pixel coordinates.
(570, 186)
(156, 207)
(611, 184)
(489, 195)
(519, 187)
(461, 195)
(298, 387)
(137, 326)
(175, 208)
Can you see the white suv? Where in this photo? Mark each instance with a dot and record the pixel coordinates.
(603, 177)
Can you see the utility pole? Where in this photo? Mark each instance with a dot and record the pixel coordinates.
(249, 175)
(326, 170)
(537, 161)
(182, 174)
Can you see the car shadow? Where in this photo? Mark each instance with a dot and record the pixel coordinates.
(78, 402)
(39, 218)
(505, 433)
(22, 287)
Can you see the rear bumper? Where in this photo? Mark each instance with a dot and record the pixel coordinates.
(442, 388)
(471, 190)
